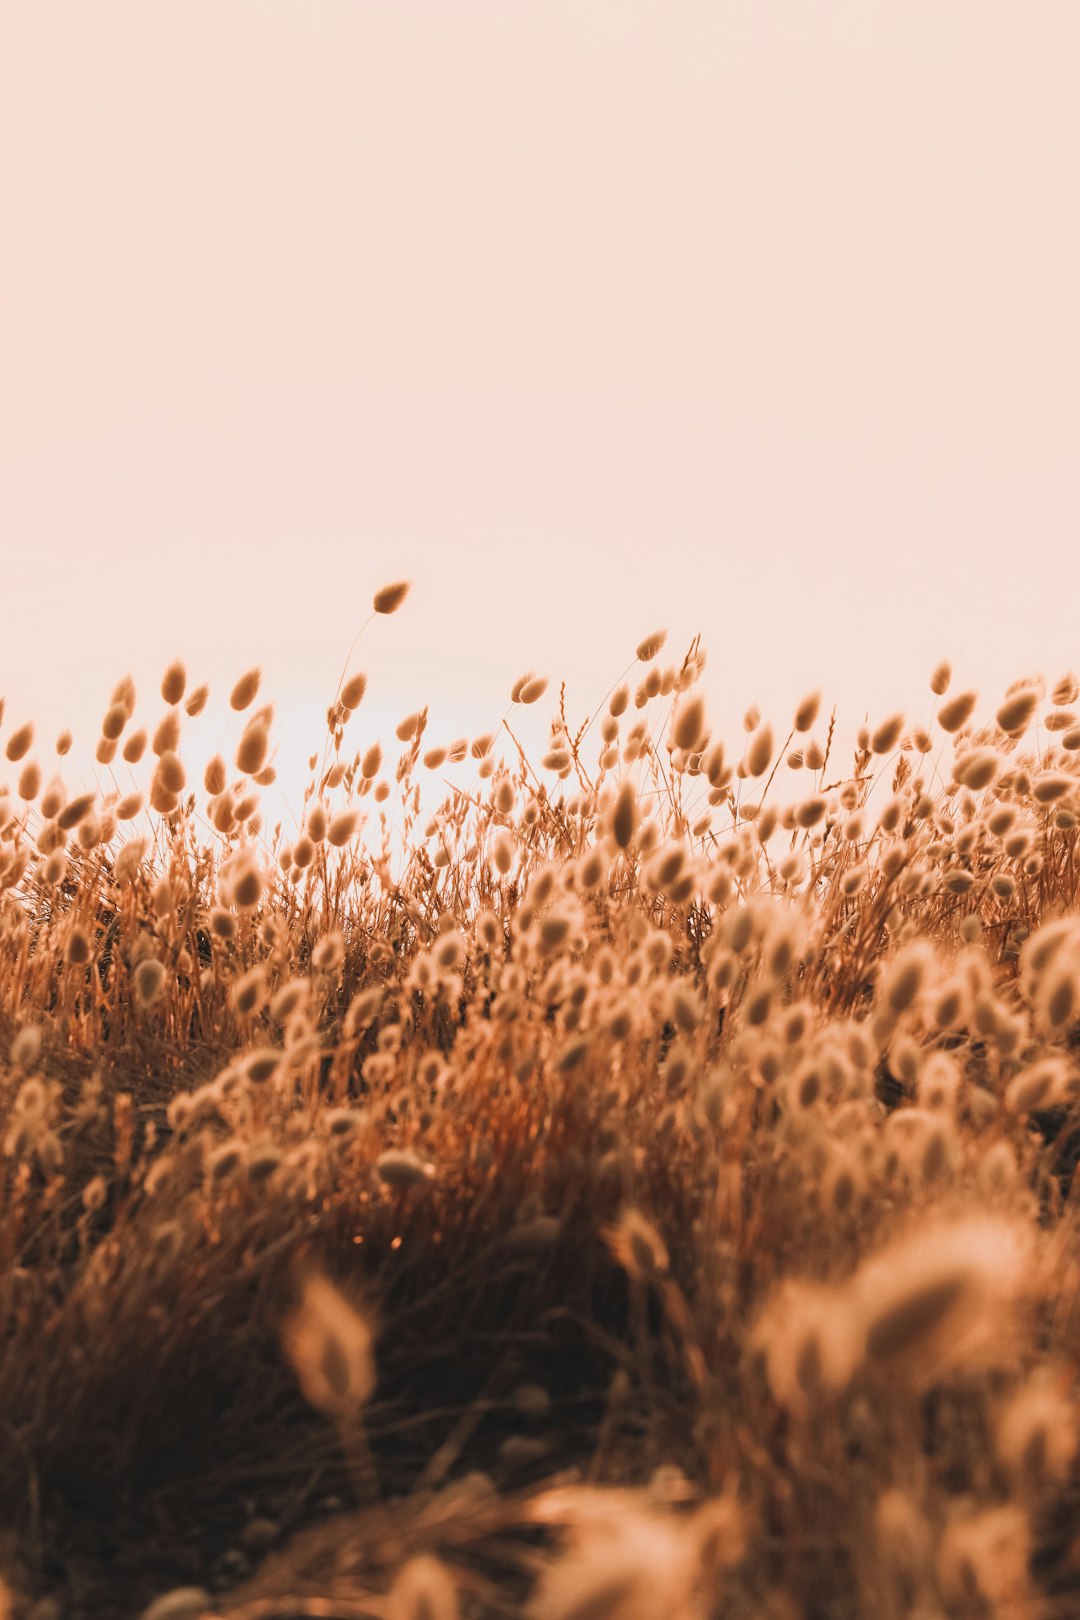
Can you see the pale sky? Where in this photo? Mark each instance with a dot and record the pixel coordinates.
(589, 316)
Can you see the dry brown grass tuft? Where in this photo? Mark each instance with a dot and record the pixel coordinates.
(706, 1162)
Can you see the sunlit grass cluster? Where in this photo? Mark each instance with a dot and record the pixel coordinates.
(640, 1185)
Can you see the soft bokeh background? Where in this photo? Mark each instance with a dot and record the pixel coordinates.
(589, 316)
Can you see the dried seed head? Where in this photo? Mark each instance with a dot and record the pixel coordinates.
(942, 1296)
(983, 1561)
(124, 692)
(75, 811)
(52, 800)
(26, 1047)
(214, 775)
(401, 1169)
(503, 853)
(956, 713)
(244, 692)
(390, 598)
(887, 735)
(173, 682)
(329, 953)
(135, 747)
(254, 745)
(196, 703)
(648, 649)
(19, 742)
(637, 1246)
(906, 976)
(149, 981)
(330, 1346)
(223, 923)
(688, 725)
(342, 828)
(352, 693)
(1016, 712)
(170, 775)
(114, 722)
(759, 751)
(29, 782)
(317, 822)
(807, 712)
(423, 1590)
(977, 768)
(625, 817)
(1036, 1439)
(939, 680)
(245, 880)
(167, 735)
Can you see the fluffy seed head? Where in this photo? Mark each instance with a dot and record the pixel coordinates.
(342, 828)
(214, 775)
(637, 1245)
(624, 818)
(423, 1590)
(648, 649)
(1016, 712)
(317, 822)
(196, 703)
(170, 772)
(906, 976)
(248, 991)
(19, 742)
(352, 693)
(390, 598)
(401, 1169)
(689, 722)
(246, 882)
(503, 853)
(74, 811)
(977, 768)
(114, 722)
(943, 1295)
(243, 693)
(26, 1047)
(149, 981)
(887, 735)
(807, 712)
(956, 713)
(254, 745)
(759, 751)
(330, 1346)
(173, 682)
(1036, 1439)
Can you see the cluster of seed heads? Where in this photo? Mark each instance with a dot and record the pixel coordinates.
(790, 1041)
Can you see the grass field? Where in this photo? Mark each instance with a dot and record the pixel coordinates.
(646, 1190)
